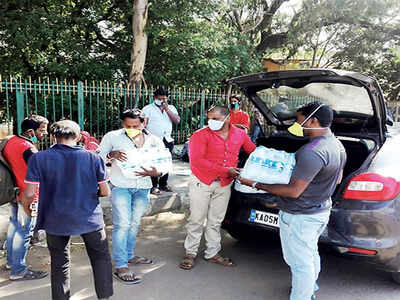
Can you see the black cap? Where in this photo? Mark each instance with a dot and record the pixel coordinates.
(322, 112)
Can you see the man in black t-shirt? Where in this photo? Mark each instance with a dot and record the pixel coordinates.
(305, 202)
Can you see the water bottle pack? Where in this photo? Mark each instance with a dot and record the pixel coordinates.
(159, 158)
(267, 165)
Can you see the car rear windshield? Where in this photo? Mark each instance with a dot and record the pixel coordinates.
(343, 98)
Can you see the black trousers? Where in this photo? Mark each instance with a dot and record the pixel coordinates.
(163, 180)
(99, 255)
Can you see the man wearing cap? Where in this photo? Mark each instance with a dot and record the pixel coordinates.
(305, 202)
(159, 119)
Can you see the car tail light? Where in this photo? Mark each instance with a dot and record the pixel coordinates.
(362, 251)
(372, 187)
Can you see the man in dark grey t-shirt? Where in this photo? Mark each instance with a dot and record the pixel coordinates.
(306, 201)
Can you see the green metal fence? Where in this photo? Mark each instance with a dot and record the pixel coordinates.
(96, 105)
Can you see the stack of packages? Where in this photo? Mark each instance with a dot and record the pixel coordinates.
(267, 165)
(159, 158)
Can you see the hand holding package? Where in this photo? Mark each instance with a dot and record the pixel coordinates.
(159, 158)
(269, 166)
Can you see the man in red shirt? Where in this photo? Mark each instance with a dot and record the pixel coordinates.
(17, 152)
(213, 154)
(238, 117)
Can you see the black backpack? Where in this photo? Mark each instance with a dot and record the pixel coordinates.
(8, 186)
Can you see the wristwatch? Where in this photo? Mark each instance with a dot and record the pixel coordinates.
(254, 185)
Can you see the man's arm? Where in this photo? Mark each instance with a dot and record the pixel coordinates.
(248, 145)
(104, 190)
(28, 196)
(172, 114)
(105, 150)
(105, 147)
(308, 165)
(294, 189)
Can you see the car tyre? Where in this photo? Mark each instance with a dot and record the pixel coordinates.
(239, 234)
(396, 277)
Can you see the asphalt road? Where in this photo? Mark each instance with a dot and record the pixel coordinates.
(261, 273)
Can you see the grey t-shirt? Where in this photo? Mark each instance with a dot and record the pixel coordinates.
(319, 162)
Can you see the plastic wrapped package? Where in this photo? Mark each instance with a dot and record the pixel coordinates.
(267, 165)
(159, 158)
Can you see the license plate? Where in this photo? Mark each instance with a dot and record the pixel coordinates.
(263, 217)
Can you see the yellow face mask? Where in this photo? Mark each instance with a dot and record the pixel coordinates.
(132, 133)
(297, 129)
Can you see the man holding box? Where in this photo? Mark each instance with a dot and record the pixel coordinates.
(305, 202)
(130, 196)
(213, 154)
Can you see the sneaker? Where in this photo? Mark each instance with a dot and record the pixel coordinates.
(155, 191)
(166, 189)
(29, 275)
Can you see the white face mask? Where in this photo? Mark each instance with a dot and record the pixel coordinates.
(216, 125)
(158, 102)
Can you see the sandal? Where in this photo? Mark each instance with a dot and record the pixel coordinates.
(140, 260)
(124, 277)
(223, 261)
(29, 275)
(188, 262)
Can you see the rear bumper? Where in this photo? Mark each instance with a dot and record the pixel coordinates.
(376, 230)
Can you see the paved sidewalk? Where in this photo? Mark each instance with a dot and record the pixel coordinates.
(175, 201)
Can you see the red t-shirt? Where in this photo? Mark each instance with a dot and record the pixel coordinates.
(14, 152)
(211, 156)
(240, 117)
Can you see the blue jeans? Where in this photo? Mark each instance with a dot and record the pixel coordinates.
(20, 231)
(299, 237)
(128, 207)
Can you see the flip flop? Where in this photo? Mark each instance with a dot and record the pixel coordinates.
(29, 275)
(140, 260)
(220, 260)
(188, 262)
(120, 277)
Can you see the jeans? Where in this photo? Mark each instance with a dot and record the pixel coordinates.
(256, 132)
(99, 255)
(299, 237)
(128, 207)
(20, 231)
(163, 180)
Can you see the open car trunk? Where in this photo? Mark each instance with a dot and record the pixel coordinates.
(359, 151)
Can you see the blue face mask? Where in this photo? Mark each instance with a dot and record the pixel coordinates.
(34, 139)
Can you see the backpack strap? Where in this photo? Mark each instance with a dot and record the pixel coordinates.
(3, 161)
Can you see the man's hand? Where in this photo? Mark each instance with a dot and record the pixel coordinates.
(244, 181)
(152, 172)
(119, 155)
(233, 172)
(240, 126)
(164, 104)
(27, 209)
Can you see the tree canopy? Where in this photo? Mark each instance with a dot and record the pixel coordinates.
(199, 43)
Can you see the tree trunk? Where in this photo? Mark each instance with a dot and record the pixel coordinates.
(139, 47)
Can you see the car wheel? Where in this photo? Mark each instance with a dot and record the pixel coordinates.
(396, 277)
(239, 234)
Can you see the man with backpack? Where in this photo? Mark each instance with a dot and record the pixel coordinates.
(17, 151)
